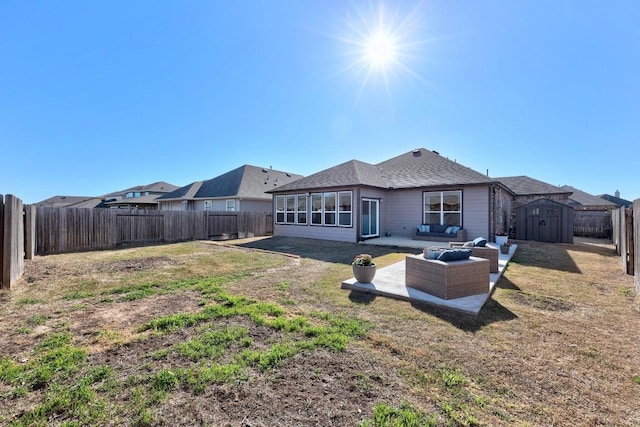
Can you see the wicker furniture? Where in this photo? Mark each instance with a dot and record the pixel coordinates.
(447, 280)
(482, 252)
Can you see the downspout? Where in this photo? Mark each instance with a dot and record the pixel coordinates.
(358, 215)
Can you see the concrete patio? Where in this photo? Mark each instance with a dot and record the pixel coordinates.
(390, 281)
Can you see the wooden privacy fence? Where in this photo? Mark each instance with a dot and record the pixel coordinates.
(626, 237)
(16, 238)
(61, 230)
(587, 223)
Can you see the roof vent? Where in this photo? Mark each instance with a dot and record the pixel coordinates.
(416, 153)
(264, 170)
(288, 174)
(435, 152)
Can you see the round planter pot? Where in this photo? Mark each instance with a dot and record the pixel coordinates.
(501, 240)
(364, 273)
(504, 249)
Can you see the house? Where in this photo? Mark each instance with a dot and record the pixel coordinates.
(617, 200)
(242, 189)
(138, 197)
(357, 200)
(70, 202)
(583, 201)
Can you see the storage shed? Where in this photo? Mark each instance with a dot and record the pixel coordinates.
(545, 220)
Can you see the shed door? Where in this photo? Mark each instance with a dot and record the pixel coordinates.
(543, 224)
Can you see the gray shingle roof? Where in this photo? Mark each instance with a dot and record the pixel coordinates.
(249, 182)
(70, 202)
(156, 187)
(617, 200)
(349, 173)
(417, 168)
(425, 168)
(585, 199)
(523, 185)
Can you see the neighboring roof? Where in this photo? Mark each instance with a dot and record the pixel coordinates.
(70, 202)
(617, 200)
(581, 198)
(147, 200)
(249, 182)
(525, 186)
(417, 168)
(156, 187)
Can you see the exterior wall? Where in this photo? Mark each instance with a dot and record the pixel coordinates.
(335, 233)
(254, 205)
(340, 234)
(401, 211)
(475, 212)
(504, 211)
(172, 205)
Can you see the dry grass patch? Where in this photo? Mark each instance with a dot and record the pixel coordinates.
(261, 334)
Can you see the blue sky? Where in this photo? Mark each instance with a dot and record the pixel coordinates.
(100, 96)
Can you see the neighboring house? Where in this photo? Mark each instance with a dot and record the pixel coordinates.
(70, 202)
(542, 210)
(357, 200)
(242, 189)
(591, 214)
(617, 200)
(582, 201)
(138, 197)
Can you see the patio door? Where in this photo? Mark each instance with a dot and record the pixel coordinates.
(370, 218)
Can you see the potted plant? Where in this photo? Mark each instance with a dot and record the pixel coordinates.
(505, 247)
(364, 269)
(501, 237)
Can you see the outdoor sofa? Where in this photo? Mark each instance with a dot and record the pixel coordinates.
(439, 233)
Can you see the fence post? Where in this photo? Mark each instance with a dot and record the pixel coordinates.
(636, 243)
(2, 237)
(13, 244)
(29, 231)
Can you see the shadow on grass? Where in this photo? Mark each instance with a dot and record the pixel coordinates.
(322, 250)
(545, 255)
(491, 312)
(364, 298)
(505, 283)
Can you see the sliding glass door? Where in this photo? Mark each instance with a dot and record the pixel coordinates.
(370, 218)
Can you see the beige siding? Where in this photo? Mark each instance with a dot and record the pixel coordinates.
(401, 211)
(254, 205)
(340, 234)
(475, 212)
(173, 205)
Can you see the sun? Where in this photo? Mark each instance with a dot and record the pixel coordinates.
(380, 50)
(381, 44)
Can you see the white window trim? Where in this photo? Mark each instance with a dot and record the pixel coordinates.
(323, 210)
(441, 212)
(233, 207)
(350, 211)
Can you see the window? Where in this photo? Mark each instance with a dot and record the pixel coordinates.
(291, 209)
(302, 209)
(329, 208)
(443, 207)
(332, 208)
(279, 209)
(344, 208)
(316, 209)
(208, 205)
(231, 205)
